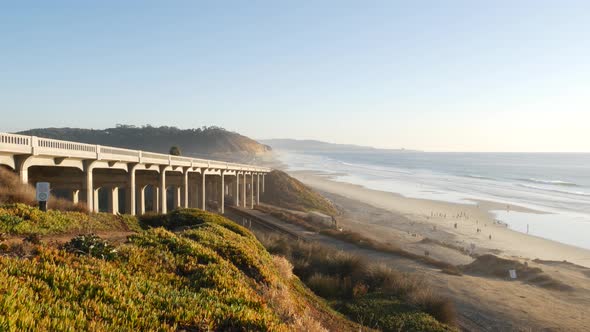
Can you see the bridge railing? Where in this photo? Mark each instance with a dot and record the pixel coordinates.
(54, 147)
(119, 154)
(14, 143)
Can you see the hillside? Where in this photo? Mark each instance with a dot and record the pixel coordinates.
(188, 270)
(215, 277)
(319, 146)
(200, 142)
(312, 145)
(285, 191)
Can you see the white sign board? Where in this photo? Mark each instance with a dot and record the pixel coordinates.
(42, 191)
(512, 274)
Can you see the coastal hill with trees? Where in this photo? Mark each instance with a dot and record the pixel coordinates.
(200, 142)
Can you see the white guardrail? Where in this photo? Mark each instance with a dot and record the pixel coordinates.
(21, 144)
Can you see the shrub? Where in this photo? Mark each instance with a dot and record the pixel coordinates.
(325, 286)
(33, 239)
(153, 220)
(357, 287)
(91, 245)
(24, 219)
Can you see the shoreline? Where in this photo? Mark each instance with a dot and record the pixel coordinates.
(447, 222)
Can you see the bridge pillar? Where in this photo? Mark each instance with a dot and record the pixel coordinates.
(75, 196)
(89, 187)
(177, 198)
(244, 185)
(162, 185)
(252, 192)
(114, 200)
(130, 195)
(237, 189)
(95, 200)
(263, 182)
(185, 189)
(221, 194)
(203, 191)
(22, 168)
(141, 207)
(257, 188)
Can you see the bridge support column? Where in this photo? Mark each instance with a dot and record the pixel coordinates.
(22, 168)
(141, 207)
(252, 192)
(263, 182)
(258, 189)
(237, 189)
(95, 200)
(23, 174)
(244, 185)
(114, 200)
(185, 189)
(177, 198)
(162, 185)
(222, 194)
(130, 195)
(89, 188)
(203, 191)
(75, 196)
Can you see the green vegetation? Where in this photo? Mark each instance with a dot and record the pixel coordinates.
(287, 192)
(91, 245)
(212, 276)
(175, 151)
(372, 295)
(22, 219)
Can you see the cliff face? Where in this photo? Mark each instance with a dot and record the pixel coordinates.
(203, 142)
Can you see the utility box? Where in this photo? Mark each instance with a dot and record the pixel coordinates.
(43, 190)
(42, 195)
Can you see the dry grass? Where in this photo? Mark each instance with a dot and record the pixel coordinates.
(369, 243)
(287, 192)
(359, 240)
(346, 277)
(284, 267)
(13, 191)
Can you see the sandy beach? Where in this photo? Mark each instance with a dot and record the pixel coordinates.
(450, 223)
(491, 303)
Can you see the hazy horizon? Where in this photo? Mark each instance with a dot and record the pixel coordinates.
(461, 76)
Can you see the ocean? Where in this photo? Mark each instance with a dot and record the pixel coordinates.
(555, 183)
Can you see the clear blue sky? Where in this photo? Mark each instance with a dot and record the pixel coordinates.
(433, 75)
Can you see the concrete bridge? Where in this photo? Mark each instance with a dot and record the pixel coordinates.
(116, 180)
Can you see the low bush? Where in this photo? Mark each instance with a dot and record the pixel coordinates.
(365, 242)
(91, 245)
(22, 219)
(346, 278)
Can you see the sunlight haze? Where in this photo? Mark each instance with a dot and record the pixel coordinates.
(435, 76)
